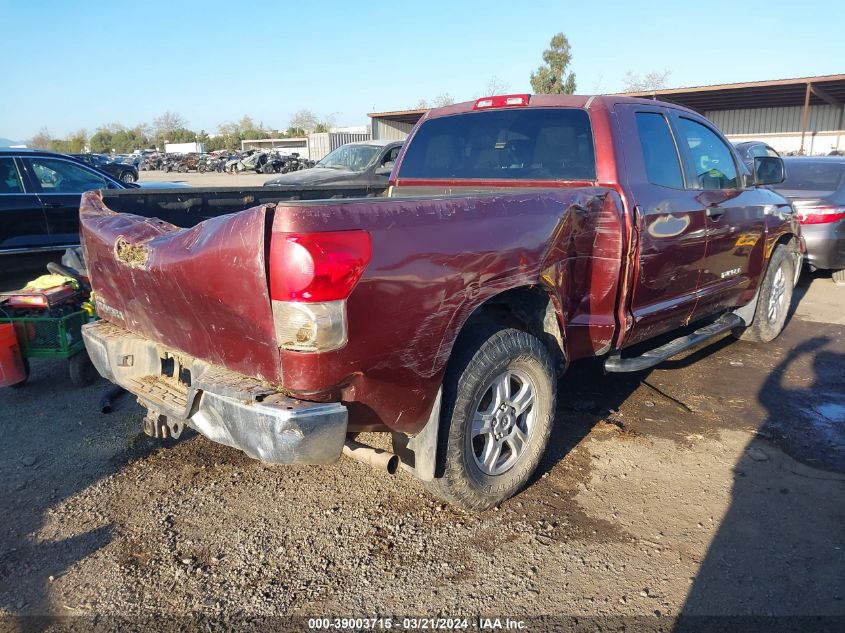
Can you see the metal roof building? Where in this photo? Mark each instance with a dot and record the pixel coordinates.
(792, 115)
(806, 114)
(394, 126)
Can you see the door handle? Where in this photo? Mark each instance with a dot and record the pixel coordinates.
(53, 205)
(714, 213)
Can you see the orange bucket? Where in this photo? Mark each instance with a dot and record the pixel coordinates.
(12, 369)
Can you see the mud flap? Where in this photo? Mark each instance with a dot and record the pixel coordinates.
(418, 454)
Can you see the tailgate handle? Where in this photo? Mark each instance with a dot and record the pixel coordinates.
(714, 212)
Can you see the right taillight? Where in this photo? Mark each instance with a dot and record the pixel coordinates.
(311, 276)
(820, 215)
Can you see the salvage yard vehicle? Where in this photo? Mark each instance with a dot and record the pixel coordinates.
(521, 233)
(39, 199)
(354, 164)
(125, 172)
(749, 150)
(816, 188)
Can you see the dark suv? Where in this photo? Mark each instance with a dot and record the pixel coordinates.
(39, 199)
(124, 172)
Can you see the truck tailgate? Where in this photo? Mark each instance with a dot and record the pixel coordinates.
(201, 290)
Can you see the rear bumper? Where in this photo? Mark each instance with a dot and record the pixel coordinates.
(825, 244)
(225, 407)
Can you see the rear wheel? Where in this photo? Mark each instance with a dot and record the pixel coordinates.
(128, 177)
(774, 299)
(26, 370)
(82, 370)
(498, 408)
(839, 277)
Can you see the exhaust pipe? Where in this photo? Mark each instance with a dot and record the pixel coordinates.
(375, 457)
(107, 401)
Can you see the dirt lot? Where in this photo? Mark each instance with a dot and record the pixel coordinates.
(712, 485)
(212, 179)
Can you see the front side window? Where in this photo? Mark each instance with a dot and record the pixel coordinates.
(660, 155)
(60, 176)
(391, 156)
(708, 158)
(10, 179)
(524, 143)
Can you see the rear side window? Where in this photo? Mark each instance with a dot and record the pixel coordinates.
(662, 165)
(709, 161)
(10, 179)
(525, 143)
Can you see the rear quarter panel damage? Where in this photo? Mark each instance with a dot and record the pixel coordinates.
(436, 260)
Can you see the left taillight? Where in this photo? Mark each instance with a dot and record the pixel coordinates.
(820, 215)
(311, 276)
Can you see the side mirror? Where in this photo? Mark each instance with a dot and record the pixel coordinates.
(384, 170)
(768, 170)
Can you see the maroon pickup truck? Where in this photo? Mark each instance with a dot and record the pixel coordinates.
(519, 233)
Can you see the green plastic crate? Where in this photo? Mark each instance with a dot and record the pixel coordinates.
(50, 337)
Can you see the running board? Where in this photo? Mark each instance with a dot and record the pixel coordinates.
(617, 364)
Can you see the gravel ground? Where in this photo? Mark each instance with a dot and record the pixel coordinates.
(713, 485)
(208, 179)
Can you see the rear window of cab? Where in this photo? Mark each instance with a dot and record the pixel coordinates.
(507, 144)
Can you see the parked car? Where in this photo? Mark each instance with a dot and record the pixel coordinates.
(517, 237)
(816, 188)
(39, 198)
(124, 172)
(364, 163)
(749, 150)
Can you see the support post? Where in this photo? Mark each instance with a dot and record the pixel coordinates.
(805, 115)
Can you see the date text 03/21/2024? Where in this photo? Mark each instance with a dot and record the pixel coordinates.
(416, 624)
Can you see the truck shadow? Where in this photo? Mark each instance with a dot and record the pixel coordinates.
(779, 548)
(57, 446)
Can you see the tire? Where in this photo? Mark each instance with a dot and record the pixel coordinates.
(476, 471)
(26, 371)
(839, 277)
(128, 176)
(82, 370)
(267, 168)
(774, 299)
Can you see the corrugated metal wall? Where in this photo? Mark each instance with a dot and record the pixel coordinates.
(391, 130)
(321, 143)
(823, 118)
(781, 127)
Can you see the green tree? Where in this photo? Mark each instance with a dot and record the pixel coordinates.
(73, 144)
(552, 77)
(170, 128)
(101, 141)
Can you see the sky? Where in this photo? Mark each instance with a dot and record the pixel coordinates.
(79, 64)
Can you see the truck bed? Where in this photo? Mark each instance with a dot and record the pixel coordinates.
(189, 206)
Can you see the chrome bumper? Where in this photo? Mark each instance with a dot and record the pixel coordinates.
(225, 407)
